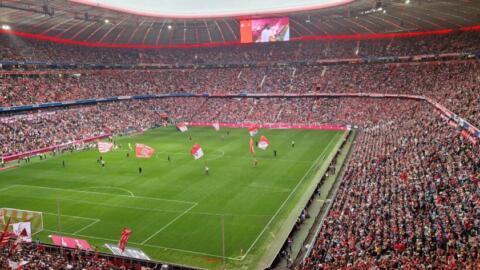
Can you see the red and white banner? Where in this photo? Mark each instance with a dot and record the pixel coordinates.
(143, 151)
(122, 243)
(216, 126)
(182, 127)
(335, 127)
(104, 147)
(197, 151)
(69, 242)
(253, 131)
(263, 143)
(23, 230)
(51, 148)
(5, 235)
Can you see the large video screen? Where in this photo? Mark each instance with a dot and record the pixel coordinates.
(265, 30)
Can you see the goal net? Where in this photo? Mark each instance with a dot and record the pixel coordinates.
(19, 215)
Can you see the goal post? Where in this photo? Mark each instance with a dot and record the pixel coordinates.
(19, 215)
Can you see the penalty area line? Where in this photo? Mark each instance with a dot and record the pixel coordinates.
(170, 223)
(100, 193)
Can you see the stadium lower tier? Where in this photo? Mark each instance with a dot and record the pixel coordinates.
(410, 197)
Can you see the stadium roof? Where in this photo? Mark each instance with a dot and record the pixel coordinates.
(210, 8)
(74, 21)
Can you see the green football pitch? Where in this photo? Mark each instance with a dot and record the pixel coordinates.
(174, 209)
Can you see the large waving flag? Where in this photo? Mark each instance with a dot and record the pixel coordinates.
(4, 236)
(197, 151)
(216, 126)
(143, 151)
(253, 131)
(252, 149)
(182, 127)
(263, 143)
(23, 230)
(104, 147)
(124, 238)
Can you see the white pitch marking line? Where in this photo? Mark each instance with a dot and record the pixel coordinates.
(170, 223)
(8, 187)
(101, 193)
(78, 217)
(110, 187)
(147, 245)
(290, 195)
(214, 158)
(87, 226)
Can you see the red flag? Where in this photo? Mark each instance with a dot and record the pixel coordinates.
(182, 127)
(253, 131)
(197, 151)
(3, 237)
(263, 143)
(124, 238)
(143, 151)
(252, 149)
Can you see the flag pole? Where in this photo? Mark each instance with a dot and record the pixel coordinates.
(59, 229)
(223, 241)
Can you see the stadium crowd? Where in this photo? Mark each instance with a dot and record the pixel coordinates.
(410, 198)
(35, 256)
(24, 132)
(454, 84)
(15, 48)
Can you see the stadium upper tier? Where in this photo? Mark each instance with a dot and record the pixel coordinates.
(16, 48)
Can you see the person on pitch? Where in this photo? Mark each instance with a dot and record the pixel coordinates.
(207, 170)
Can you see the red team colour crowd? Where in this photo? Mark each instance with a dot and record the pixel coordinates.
(410, 196)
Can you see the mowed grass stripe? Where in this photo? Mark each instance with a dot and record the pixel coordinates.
(246, 197)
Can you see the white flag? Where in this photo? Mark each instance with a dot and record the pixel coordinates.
(182, 127)
(23, 230)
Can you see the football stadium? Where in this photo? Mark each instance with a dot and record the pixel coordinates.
(323, 134)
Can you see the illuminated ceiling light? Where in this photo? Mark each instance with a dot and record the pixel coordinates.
(407, 2)
(6, 27)
(384, 11)
(107, 21)
(169, 26)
